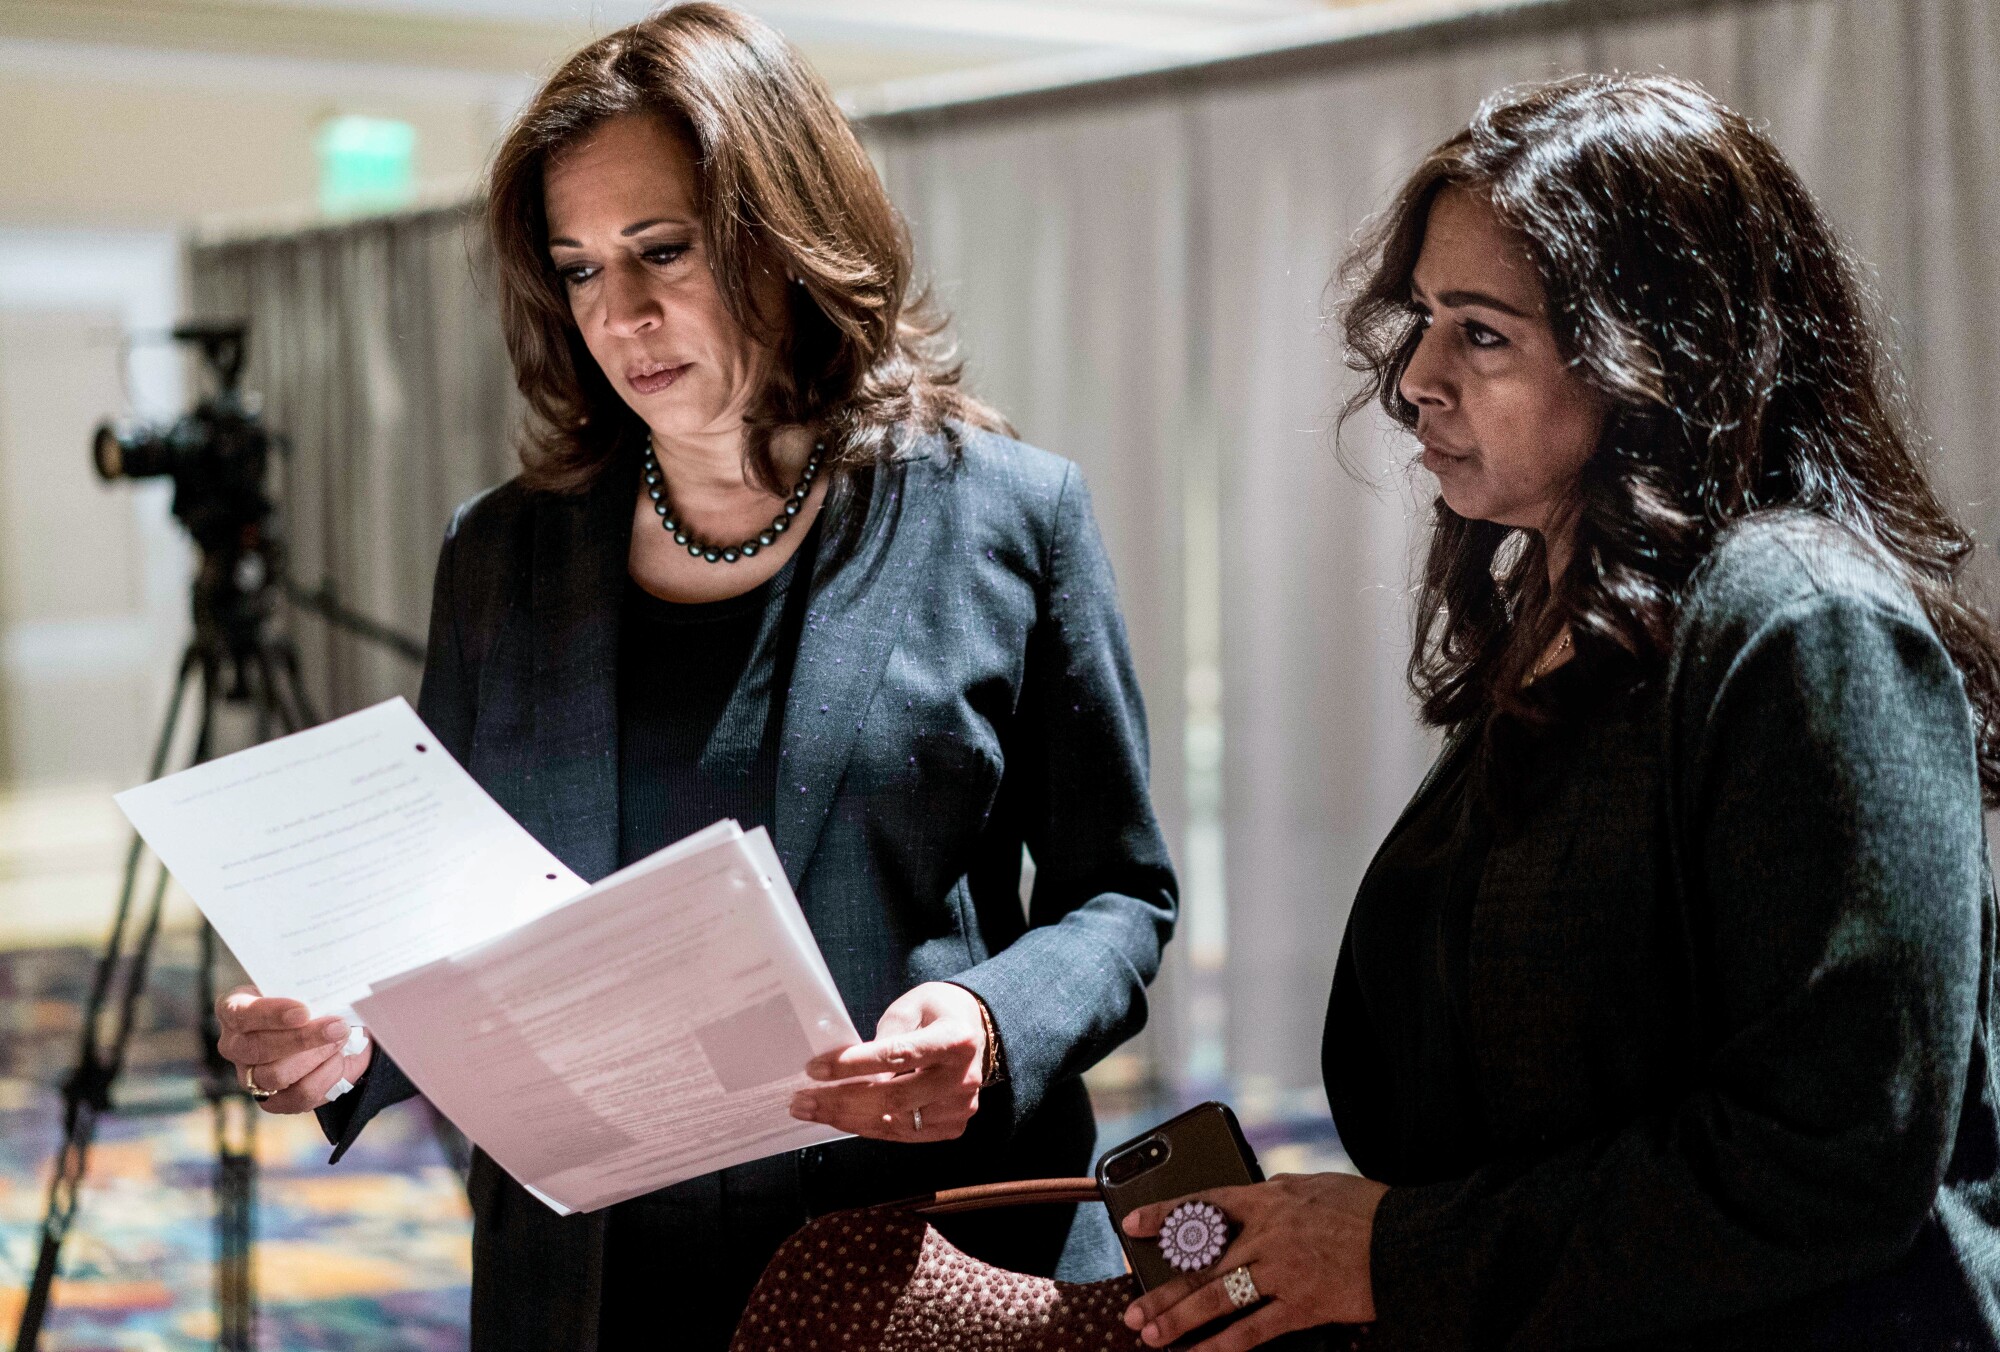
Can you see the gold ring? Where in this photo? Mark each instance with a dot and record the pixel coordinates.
(250, 1085)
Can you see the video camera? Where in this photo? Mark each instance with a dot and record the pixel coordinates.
(217, 456)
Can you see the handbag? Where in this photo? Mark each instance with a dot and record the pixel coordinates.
(882, 1279)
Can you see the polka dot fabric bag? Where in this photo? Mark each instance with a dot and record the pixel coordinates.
(883, 1279)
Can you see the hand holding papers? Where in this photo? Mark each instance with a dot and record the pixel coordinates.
(652, 1030)
(597, 1042)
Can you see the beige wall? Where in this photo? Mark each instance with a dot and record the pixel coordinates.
(132, 155)
(99, 129)
(162, 112)
(92, 579)
(87, 625)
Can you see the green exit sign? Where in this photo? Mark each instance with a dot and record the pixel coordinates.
(366, 164)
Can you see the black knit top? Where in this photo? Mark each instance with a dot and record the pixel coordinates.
(700, 700)
(693, 707)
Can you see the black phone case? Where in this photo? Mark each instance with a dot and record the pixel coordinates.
(1208, 1152)
(1206, 1149)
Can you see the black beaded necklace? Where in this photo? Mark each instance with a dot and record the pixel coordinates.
(656, 489)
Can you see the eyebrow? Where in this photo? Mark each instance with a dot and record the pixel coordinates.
(635, 228)
(1458, 300)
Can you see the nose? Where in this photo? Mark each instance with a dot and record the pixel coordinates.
(1425, 382)
(629, 305)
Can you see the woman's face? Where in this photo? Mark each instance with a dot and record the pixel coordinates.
(625, 235)
(1505, 421)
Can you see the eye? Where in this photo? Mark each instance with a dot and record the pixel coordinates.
(576, 274)
(662, 254)
(1420, 316)
(1479, 335)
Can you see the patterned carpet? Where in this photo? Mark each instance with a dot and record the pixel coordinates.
(370, 1256)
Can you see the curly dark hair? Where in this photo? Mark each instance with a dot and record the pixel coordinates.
(1690, 278)
(784, 185)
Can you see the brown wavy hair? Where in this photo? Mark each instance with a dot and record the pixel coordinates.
(1692, 279)
(784, 185)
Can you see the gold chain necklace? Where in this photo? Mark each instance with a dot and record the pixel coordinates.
(1550, 660)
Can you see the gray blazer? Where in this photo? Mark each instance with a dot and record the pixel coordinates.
(1730, 1002)
(962, 689)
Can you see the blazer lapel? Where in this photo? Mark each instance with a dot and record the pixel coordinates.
(581, 545)
(852, 624)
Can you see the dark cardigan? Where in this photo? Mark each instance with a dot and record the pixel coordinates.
(962, 688)
(1729, 1002)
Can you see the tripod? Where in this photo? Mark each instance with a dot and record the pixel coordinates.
(216, 456)
(263, 674)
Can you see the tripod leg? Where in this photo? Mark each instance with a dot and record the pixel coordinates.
(235, 1118)
(235, 1131)
(78, 1130)
(87, 1090)
(271, 703)
(235, 1114)
(260, 700)
(294, 684)
(235, 1211)
(149, 933)
(108, 961)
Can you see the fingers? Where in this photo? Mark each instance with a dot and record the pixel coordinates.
(1238, 1203)
(281, 1075)
(922, 1058)
(862, 1110)
(268, 1046)
(897, 1095)
(1258, 1327)
(1156, 1304)
(310, 1091)
(243, 1010)
(1160, 1299)
(945, 1042)
(263, 1030)
(1161, 1322)
(319, 1086)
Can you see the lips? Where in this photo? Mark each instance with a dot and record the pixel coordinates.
(1440, 456)
(1434, 443)
(651, 377)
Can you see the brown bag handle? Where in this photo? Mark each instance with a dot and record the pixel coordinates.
(990, 1196)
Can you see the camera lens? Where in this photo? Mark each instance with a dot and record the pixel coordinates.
(1135, 1159)
(108, 451)
(134, 452)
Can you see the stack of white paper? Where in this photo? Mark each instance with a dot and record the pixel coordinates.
(598, 1042)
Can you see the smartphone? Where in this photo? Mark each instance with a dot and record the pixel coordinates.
(1202, 1148)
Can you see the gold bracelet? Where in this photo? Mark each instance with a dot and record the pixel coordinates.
(989, 1063)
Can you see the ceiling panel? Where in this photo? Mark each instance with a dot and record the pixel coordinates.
(518, 36)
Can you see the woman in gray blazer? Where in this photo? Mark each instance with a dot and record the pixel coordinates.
(768, 562)
(1664, 1015)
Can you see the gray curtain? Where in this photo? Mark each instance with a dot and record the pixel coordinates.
(1060, 247)
(376, 351)
(1891, 111)
(1139, 275)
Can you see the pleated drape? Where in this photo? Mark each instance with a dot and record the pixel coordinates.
(376, 351)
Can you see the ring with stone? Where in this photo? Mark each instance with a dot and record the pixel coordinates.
(1237, 1285)
(917, 1118)
(250, 1085)
(1194, 1236)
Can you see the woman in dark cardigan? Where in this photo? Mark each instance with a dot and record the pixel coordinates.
(768, 562)
(1663, 1017)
